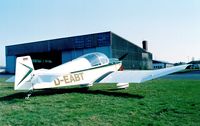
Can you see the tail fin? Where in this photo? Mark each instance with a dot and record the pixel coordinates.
(23, 73)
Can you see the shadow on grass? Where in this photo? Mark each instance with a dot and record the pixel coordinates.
(47, 92)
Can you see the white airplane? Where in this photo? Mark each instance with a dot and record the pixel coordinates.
(86, 70)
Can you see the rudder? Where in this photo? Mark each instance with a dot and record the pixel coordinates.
(23, 73)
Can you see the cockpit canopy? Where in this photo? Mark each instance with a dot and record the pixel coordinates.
(96, 58)
(84, 62)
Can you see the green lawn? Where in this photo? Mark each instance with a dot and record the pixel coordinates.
(157, 102)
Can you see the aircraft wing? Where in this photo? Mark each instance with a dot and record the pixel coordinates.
(139, 76)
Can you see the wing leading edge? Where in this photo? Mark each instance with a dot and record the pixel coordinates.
(139, 76)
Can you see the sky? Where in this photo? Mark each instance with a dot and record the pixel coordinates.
(171, 27)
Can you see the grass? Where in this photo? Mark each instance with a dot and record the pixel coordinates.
(157, 102)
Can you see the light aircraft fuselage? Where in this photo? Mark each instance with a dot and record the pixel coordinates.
(84, 70)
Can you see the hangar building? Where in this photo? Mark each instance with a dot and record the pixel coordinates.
(161, 64)
(50, 53)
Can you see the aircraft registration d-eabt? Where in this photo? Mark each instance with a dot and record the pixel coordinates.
(86, 70)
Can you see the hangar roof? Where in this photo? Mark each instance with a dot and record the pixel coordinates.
(71, 43)
(194, 62)
(159, 61)
(60, 44)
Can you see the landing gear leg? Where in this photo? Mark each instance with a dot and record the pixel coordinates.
(29, 94)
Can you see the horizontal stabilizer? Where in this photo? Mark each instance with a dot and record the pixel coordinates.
(11, 79)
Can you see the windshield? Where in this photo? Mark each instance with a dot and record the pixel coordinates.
(96, 59)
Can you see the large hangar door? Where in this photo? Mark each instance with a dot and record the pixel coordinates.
(46, 60)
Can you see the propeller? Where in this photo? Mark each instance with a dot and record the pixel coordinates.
(123, 56)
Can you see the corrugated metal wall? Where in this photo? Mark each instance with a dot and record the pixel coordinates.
(137, 58)
(10, 64)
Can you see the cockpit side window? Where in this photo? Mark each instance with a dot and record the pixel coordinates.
(97, 59)
(103, 58)
(93, 59)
